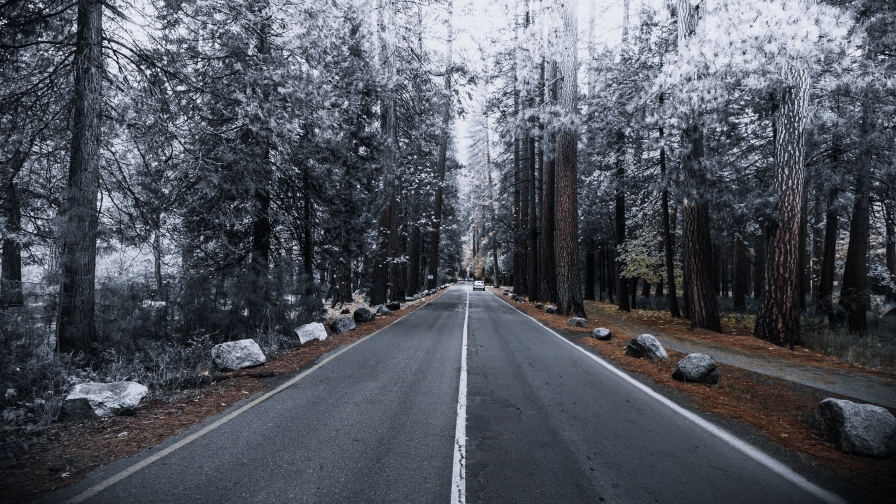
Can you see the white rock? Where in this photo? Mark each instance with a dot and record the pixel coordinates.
(602, 333)
(577, 322)
(382, 310)
(696, 368)
(647, 346)
(238, 354)
(102, 399)
(865, 429)
(309, 332)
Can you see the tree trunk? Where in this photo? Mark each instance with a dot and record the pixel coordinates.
(383, 259)
(668, 236)
(890, 250)
(700, 291)
(620, 216)
(569, 286)
(533, 281)
(778, 319)
(11, 261)
(802, 289)
(741, 273)
(700, 298)
(854, 294)
(589, 275)
(75, 326)
(547, 272)
(414, 247)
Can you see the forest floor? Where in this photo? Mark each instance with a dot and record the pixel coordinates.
(785, 410)
(36, 460)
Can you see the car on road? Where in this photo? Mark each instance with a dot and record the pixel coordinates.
(479, 285)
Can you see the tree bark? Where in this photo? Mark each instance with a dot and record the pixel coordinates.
(11, 261)
(589, 275)
(699, 271)
(533, 281)
(890, 250)
(668, 236)
(854, 294)
(741, 273)
(778, 318)
(547, 271)
(624, 304)
(75, 325)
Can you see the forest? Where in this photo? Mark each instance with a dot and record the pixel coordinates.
(175, 174)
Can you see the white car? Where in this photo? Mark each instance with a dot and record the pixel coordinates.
(479, 285)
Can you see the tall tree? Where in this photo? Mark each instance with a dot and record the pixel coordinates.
(569, 286)
(777, 320)
(78, 229)
(700, 292)
(440, 168)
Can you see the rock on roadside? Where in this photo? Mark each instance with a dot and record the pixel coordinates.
(577, 322)
(697, 368)
(342, 324)
(382, 310)
(865, 429)
(89, 400)
(646, 346)
(394, 306)
(550, 309)
(312, 331)
(602, 334)
(238, 354)
(363, 315)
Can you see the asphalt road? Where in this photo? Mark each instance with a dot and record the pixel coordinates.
(545, 423)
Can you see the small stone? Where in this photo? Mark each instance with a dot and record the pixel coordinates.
(312, 331)
(238, 354)
(696, 368)
(409, 299)
(577, 322)
(550, 309)
(646, 346)
(539, 306)
(394, 306)
(865, 429)
(363, 315)
(382, 310)
(342, 324)
(345, 311)
(602, 334)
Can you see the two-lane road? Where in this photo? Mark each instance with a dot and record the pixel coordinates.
(545, 422)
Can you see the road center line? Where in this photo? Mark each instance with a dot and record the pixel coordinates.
(742, 446)
(458, 481)
(99, 487)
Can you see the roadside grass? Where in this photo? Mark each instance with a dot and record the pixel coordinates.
(785, 412)
(39, 456)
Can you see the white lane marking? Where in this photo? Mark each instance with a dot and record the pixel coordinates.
(99, 487)
(752, 452)
(458, 480)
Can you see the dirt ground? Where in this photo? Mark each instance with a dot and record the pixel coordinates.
(786, 412)
(38, 460)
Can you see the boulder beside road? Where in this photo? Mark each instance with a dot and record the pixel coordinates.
(309, 332)
(89, 400)
(240, 354)
(646, 346)
(697, 368)
(342, 324)
(363, 315)
(577, 322)
(602, 334)
(865, 429)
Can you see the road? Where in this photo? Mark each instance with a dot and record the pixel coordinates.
(545, 422)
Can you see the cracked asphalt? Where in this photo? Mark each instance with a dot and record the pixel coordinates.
(545, 423)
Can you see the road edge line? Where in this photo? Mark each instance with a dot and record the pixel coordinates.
(458, 473)
(741, 445)
(99, 487)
